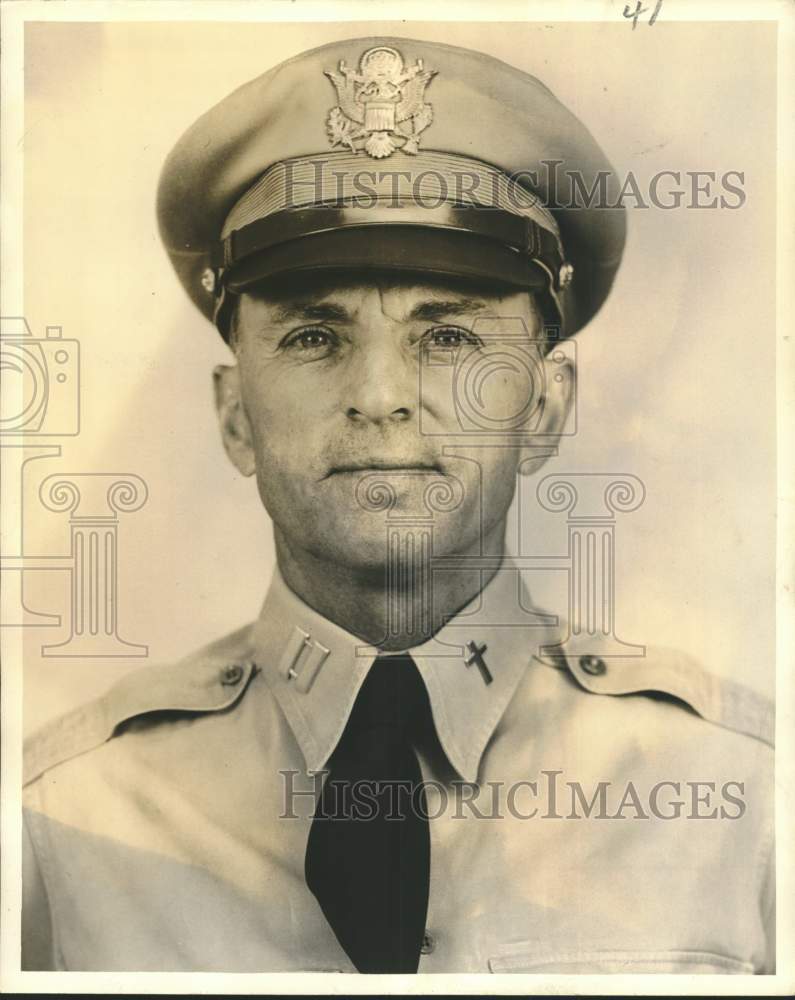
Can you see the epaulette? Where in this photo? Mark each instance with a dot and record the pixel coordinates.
(717, 699)
(208, 681)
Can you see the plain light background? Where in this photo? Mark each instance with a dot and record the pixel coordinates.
(677, 372)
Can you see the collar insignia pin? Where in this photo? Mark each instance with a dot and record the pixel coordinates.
(477, 658)
(381, 106)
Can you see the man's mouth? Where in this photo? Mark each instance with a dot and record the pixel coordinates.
(384, 465)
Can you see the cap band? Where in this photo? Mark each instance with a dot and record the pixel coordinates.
(428, 180)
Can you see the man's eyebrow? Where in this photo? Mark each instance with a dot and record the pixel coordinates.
(437, 309)
(317, 311)
(431, 310)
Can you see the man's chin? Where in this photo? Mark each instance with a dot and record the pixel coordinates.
(374, 545)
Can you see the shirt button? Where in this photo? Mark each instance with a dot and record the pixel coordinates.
(231, 674)
(428, 943)
(593, 665)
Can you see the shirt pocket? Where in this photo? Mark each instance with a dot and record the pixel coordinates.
(619, 962)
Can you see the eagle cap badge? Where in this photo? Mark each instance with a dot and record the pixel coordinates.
(381, 105)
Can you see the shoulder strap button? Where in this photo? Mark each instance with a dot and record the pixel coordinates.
(593, 665)
(231, 674)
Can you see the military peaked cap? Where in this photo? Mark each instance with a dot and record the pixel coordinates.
(391, 153)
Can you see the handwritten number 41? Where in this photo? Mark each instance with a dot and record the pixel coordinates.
(635, 14)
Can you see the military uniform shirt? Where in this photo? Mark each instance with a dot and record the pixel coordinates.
(160, 833)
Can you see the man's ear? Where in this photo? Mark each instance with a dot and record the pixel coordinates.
(232, 418)
(560, 379)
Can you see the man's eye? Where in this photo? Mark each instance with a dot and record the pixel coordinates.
(450, 336)
(310, 338)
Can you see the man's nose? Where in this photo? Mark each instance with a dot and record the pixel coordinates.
(383, 383)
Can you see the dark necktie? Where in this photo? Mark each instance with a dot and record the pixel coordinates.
(368, 854)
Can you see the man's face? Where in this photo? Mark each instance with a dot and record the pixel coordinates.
(347, 395)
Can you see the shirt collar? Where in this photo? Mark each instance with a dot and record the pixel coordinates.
(315, 668)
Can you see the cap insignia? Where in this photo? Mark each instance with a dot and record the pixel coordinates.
(381, 106)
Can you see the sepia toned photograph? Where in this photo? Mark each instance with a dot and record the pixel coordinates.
(396, 442)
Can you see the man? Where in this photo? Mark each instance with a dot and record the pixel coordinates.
(374, 228)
